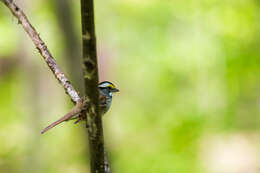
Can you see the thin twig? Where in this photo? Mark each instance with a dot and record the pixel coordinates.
(40, 45)
(99, 162)
(71, 42)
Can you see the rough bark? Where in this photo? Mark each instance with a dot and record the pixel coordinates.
(99, 163)
(42, 48)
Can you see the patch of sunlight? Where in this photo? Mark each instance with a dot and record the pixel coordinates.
(8, 37)
(12, 136)
(143, 3)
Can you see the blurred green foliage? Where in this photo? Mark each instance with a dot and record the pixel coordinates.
(187, 71)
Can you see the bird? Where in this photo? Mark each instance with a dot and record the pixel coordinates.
(106, 91)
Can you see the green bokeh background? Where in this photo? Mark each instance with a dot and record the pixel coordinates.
(188, 73)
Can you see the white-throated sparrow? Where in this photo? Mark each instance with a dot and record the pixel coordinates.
(106, 90)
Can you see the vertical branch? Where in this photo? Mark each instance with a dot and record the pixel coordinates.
(90, 72)
(99, 163)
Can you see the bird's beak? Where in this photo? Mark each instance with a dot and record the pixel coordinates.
(114, 90)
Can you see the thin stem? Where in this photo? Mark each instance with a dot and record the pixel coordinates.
(99, 162)
(42, 48)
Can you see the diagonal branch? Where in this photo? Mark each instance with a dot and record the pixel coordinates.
(99, 162)
(40, 45)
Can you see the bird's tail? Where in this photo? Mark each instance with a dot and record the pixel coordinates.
(62, 119)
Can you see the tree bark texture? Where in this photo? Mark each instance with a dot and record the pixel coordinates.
(90, 73)
(43, 50)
